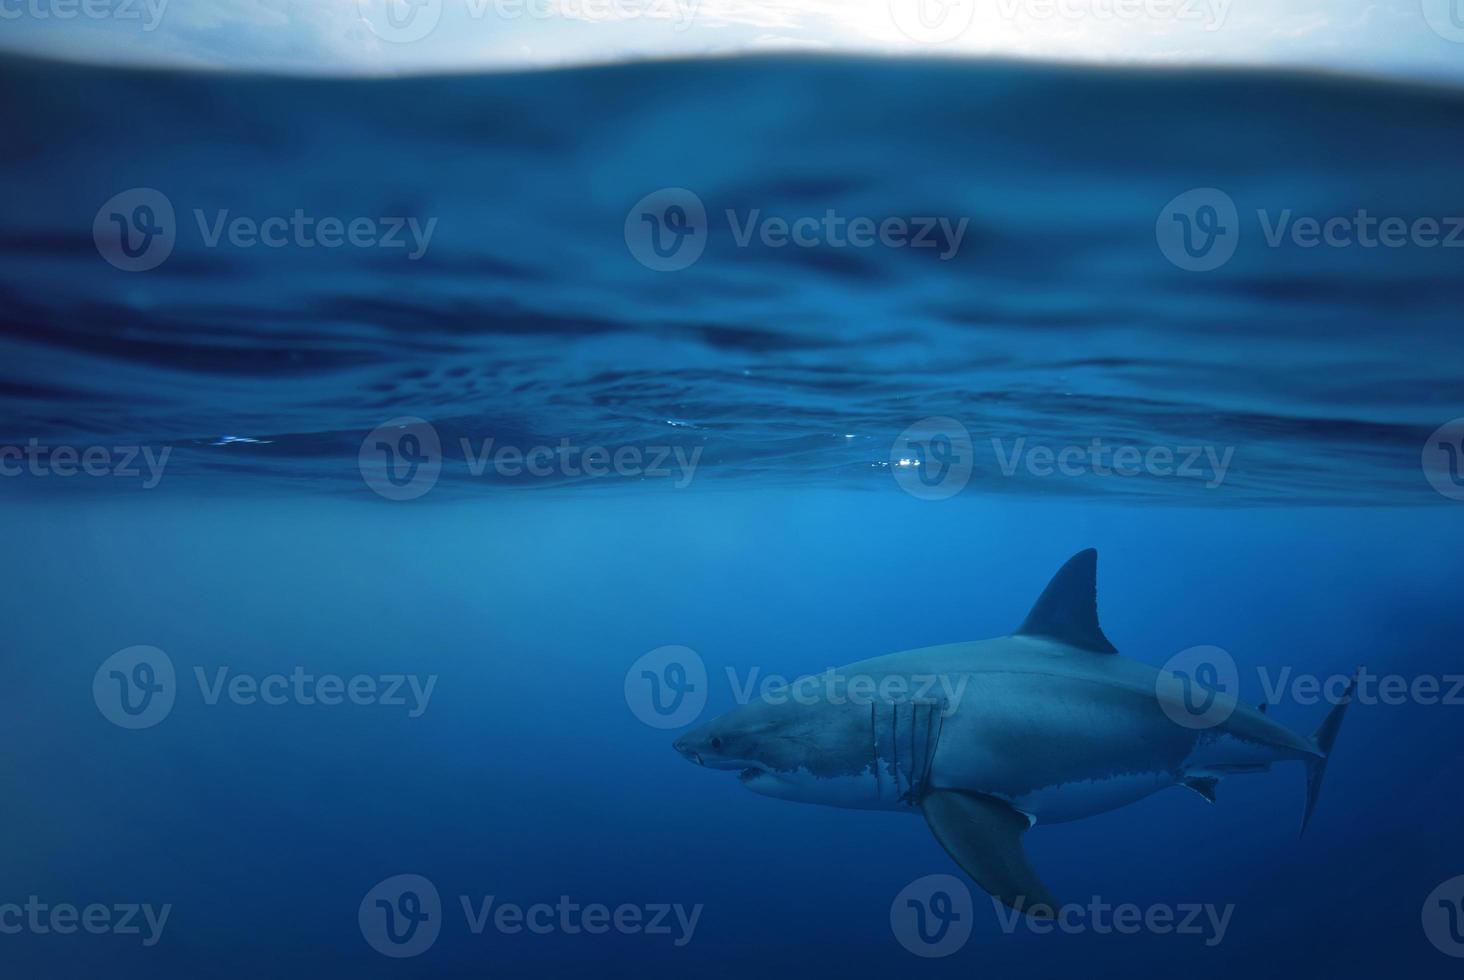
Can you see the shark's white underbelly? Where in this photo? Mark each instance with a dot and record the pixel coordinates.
(1084, 798)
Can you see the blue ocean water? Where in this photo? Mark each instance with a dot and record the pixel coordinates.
(811, 455)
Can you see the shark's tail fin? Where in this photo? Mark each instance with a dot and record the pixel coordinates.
(1323, 738)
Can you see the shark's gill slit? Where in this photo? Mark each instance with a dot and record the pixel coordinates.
(914, 771)
(934, 720)
(895, 748)
(874, 750)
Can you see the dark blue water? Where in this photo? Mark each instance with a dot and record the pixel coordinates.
(804, 513)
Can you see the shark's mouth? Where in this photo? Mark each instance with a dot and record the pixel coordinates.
(748, 775)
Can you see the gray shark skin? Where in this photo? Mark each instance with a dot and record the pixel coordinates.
(987, 739)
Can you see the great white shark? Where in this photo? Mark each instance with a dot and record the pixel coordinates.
(1045, 725)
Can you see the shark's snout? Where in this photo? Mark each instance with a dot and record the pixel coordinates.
(711, 747)
(683, 746)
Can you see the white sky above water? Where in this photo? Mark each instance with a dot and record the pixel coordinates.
(1411, 38)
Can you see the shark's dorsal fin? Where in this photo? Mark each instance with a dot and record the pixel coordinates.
(1067, 610)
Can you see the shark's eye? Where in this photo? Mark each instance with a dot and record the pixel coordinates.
(716, 743)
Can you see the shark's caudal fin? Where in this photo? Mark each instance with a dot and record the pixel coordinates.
(1067, 610)
(1323, 738)
(984, 835)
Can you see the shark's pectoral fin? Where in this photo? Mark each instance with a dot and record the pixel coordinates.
(1204, 785)
(984, 835)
